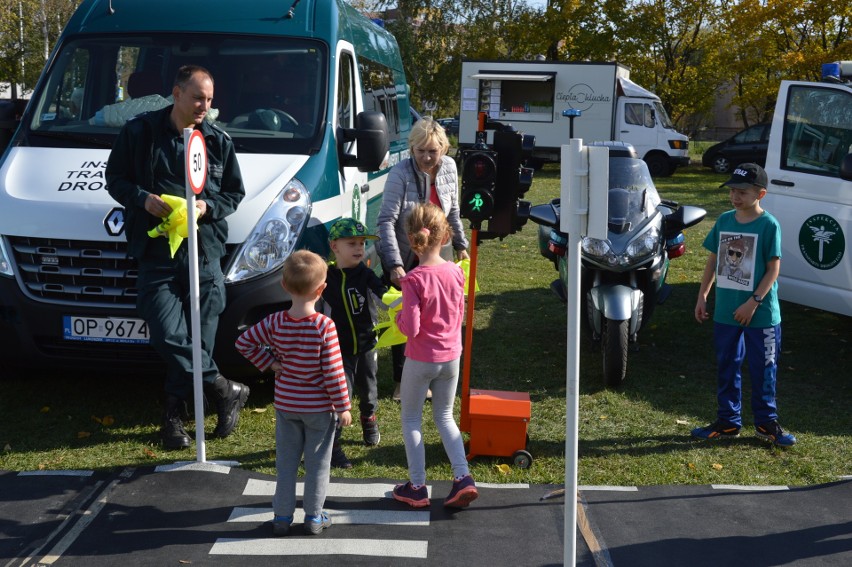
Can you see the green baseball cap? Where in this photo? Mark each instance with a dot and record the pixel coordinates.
(350, 228)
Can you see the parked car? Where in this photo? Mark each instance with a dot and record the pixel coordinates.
(451, 125)
(749, 145)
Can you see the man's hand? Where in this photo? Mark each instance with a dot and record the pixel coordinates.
(156, 206)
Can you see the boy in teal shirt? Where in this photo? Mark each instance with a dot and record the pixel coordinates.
(744, 261)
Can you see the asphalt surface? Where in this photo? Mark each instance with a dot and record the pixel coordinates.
(209, 514)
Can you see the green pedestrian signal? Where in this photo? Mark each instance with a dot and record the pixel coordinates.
(479, 179)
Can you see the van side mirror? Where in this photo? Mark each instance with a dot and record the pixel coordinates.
(846, 168)
(371, 135)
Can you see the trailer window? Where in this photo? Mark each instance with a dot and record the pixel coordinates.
(528, 99)
(817, 130)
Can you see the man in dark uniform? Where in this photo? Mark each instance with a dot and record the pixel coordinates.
(146, 162)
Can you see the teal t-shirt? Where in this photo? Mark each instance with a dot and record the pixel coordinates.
(742, 251)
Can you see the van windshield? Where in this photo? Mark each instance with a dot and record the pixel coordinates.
(269, 94)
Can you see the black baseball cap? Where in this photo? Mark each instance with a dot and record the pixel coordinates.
(746, 176)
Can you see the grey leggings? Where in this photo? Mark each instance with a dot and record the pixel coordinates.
(297, 434)
(442, 378)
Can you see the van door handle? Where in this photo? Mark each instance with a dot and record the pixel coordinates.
(783, 183)
(365, 188)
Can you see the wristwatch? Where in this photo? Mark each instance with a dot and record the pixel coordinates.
(757, 298)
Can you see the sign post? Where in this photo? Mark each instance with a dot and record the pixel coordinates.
(196, 177)
(584, 190)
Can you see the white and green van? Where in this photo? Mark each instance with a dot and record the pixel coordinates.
(809, 166)
(313, 95)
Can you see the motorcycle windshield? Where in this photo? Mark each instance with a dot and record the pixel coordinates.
(632, 195)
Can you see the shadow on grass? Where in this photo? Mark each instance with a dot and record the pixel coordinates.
(522, 346)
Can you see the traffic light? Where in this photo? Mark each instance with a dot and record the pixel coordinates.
(479, 182)
(513, 181)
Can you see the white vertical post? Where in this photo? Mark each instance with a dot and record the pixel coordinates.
(575, 177)
(583, 212)
(195, 310)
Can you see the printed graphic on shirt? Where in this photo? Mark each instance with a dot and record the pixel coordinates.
(356, 301)
(735, 265)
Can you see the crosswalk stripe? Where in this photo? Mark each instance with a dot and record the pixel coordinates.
(256, 487)
(372, 517)
(291, 546)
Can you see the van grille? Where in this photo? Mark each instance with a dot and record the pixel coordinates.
(76, 271)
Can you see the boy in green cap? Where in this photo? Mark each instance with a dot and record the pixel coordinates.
(352, 293)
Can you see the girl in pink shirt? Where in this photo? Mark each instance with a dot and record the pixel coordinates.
(431, 318)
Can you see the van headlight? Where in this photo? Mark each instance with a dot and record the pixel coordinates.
(5, 263)
(274, 237)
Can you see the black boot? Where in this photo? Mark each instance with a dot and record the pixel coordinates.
(173, 434)
(229, 397)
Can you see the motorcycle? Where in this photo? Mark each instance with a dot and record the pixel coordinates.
(623, 277)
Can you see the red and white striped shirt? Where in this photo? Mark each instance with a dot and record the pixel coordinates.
(312, 379)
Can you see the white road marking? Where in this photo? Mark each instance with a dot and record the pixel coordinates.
(292, 546)
(360, 516)
(495, 485)
(749, 488)
(255, 487)
(222, 467)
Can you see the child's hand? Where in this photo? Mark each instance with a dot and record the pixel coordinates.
(701, 314)
(276, 367)
(745, 312)
(344, 419)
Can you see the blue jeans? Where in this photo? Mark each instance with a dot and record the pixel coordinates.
(295, 434)
(761, 347)
(442, 378)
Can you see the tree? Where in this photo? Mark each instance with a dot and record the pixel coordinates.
(28, 31)
(776, 40)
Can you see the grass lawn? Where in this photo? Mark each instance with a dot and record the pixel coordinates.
(638, 435)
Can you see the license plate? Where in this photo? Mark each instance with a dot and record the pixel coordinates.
(105, 329)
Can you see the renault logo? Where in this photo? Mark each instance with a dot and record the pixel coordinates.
(114, 222)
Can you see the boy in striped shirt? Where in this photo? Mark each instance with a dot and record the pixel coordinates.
(301, 347)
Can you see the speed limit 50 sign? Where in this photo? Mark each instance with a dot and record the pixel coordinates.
(196, 161)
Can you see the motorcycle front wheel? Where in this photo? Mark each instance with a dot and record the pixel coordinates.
(614, 346)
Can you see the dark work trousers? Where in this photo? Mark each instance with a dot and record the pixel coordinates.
(164, 303)
(361, 373)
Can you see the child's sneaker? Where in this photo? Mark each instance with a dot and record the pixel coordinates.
(339, 460)
(370, 430)
(415, 498)
(772, 432)
(281, 525)
(314, 525)
(719, 429)
(463, 493)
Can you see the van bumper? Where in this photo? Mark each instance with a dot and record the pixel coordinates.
(31, 332)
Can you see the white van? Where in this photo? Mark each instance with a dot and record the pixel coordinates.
(533, 95)
(809, 165)
(313, 95)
